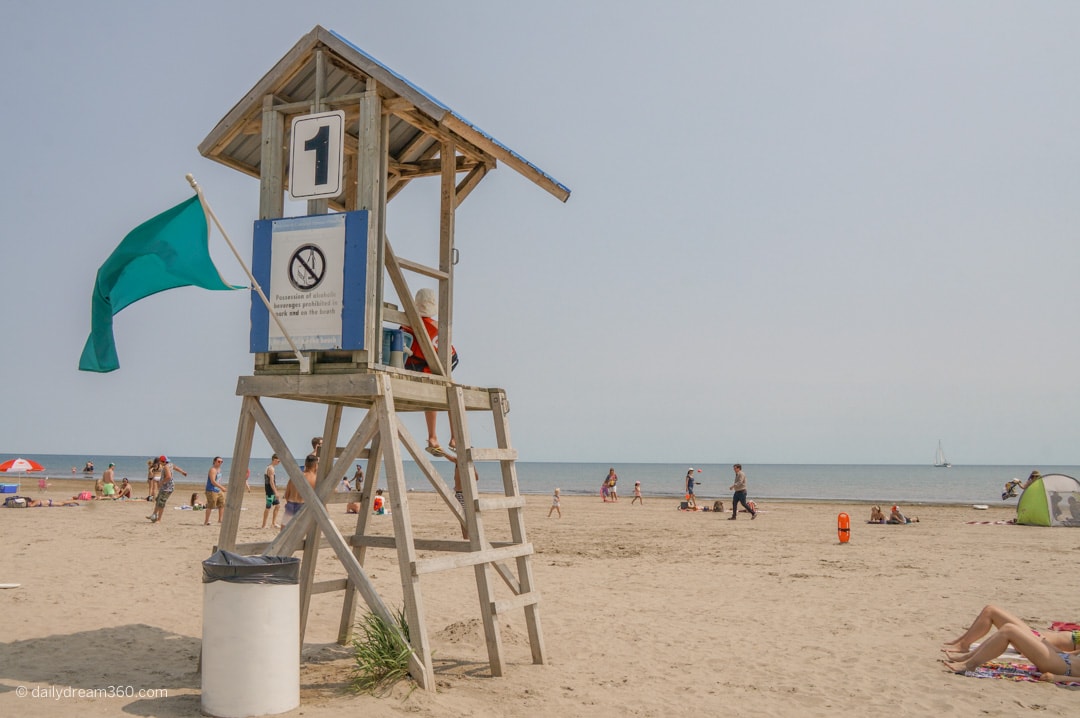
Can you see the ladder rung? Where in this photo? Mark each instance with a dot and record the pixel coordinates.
(335, 584)
(519, 601)
(502, 502)
(444, 563)
(493, 454)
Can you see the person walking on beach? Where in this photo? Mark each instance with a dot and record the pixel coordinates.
(358, 479)
(215, 492)
(166, 489)
(690, 488)
(739, 487)
(612, 480)
(637, 494)
(555, 505)
(273, 500)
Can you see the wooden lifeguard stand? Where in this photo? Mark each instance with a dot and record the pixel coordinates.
(394, 133)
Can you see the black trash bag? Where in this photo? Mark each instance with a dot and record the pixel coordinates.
(234, 568)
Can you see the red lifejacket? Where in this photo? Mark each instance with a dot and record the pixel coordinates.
(417, 362)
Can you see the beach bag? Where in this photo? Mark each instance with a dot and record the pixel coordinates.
(15, 502)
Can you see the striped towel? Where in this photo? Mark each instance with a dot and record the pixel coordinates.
(1012, 672)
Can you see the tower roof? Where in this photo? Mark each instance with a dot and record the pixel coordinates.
(418, 121)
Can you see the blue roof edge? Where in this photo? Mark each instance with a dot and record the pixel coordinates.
(444, 106)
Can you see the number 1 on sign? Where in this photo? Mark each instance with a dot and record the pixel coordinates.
(320, 145)
(316, 154)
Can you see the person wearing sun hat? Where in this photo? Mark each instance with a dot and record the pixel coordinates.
(427, 306)
(1012, 485)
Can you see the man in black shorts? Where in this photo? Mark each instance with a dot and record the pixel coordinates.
(272, 500)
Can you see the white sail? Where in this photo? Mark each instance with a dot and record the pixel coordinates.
(939, 460)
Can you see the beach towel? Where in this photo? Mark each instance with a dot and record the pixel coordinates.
(1010, 522)
(1064, 626)
(1012, 672)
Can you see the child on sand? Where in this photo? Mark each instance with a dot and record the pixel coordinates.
(555, 505)
(637, 494)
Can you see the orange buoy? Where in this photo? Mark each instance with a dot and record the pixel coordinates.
(843, 527)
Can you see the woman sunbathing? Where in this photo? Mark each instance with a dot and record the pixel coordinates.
(1052, 654)
(994, 617)
(876, 515)
(896, 517)
(35, 503)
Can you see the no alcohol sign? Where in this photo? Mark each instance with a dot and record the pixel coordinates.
(314, 272)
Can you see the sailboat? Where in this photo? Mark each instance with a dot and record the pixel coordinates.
(939, 460)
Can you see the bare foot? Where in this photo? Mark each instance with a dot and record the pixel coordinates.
(955, 666)
(960, 657)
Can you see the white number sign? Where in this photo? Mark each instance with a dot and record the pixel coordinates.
(316, 155)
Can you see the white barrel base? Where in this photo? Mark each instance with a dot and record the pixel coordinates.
(250, 649)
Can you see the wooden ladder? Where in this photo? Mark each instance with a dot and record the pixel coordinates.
(519, 549)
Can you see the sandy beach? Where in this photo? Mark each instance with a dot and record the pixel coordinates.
(647, 611)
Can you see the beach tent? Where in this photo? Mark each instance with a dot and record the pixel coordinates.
(1053, 500)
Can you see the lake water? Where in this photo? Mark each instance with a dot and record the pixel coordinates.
(888, 483)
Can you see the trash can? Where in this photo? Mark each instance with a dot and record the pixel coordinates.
(251, 635)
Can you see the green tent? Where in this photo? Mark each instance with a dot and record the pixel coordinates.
(1053, 500)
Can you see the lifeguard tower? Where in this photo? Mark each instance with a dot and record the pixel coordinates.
(330, 124)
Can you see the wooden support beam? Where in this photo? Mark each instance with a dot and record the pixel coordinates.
(335, 584)
(410, 584)
(422, 269)
(477, 454)
(520, 601)
(234, 500)
(447, 215)
(473, 558)
(467, 185)
(371, 483)
(428, 126)
(272, 162)
(501, 502)
(430, 168)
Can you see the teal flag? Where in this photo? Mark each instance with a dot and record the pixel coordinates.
(171, 250)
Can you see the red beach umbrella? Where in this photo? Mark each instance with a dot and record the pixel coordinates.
(20, 466)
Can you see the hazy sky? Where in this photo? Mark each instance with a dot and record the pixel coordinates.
(799, 232)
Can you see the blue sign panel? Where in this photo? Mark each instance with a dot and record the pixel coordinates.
(314, 272)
